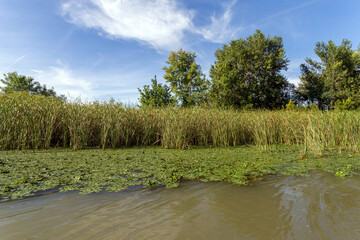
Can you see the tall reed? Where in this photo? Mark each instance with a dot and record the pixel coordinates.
(38, 122)
(28, 121)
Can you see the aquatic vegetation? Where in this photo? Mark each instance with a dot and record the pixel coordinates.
(38, 122)
(24, 173)
(169, 145)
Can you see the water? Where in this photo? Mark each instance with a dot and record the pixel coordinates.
(316, 207)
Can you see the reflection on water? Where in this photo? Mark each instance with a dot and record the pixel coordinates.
(318, 207)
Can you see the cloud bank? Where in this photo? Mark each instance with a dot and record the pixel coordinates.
(160, 23)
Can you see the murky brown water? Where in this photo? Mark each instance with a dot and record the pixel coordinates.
(319, 207)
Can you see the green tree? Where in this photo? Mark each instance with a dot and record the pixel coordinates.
(157, 95)
(311, 89)
(15, 83)
(338, 71)
(247, 73)
(186, 79)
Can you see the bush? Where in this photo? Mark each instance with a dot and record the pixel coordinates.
(347, 104)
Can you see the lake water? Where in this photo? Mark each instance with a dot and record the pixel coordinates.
(316, 207)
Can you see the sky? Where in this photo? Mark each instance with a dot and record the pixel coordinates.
(102, 49)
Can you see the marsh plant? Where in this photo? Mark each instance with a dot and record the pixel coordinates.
(39, 122)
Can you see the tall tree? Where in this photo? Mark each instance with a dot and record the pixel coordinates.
(157, 95)
(338, 71)
(311, 88)
(14, 83)
(247, 73)
(186, 79)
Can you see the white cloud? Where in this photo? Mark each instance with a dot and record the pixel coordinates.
(64, 82)
(220, 29)
(88, 87)
(36, 71)
(294, 80)
(159, 23)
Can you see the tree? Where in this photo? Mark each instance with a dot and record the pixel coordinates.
(15, 83)
(186, 79)
(336, 75)
(247, 73)
(157, 95)
(311, 89)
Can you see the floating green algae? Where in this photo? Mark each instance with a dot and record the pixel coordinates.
(24, 173)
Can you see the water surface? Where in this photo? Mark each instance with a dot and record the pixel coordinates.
(316, 207)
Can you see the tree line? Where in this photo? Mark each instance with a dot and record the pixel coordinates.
(247, 74)
(13, 82)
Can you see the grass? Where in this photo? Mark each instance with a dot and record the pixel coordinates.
(24, 173)
(37, 122)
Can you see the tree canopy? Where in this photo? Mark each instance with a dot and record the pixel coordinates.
(311, 88)
(247, 73)
(186, 79)
(335, 78)
(157, 95)
(15, 83)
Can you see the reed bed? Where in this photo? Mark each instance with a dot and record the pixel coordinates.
(38, 122)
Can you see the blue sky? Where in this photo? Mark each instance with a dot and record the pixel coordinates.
(98, 49)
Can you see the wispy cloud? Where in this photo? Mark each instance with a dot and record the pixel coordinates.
(160, 23)
(36, 71)
(289, 10)
(64, 81)
(88, 86)
(13, 63)
(98, 61)
(220, 29)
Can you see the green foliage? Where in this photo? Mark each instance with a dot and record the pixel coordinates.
(37, 122)
(186, 79)
(335, 78)
(312, 107)
(17, 83)
(340, 63)
(291, 105)
(311, 88)
(29, 121)
(347, 104)
(248, 71)
(157, 95)
(24, 173)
